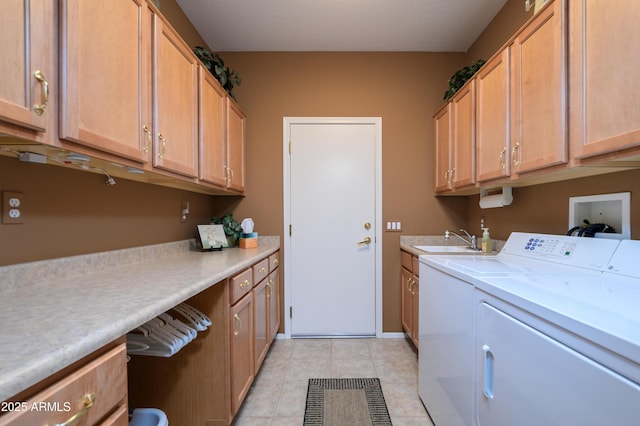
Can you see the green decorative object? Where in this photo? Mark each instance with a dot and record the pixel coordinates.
(228, 78)
(232, 228)
(461, 76)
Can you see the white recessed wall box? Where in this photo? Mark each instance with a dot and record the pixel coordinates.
(611, 209)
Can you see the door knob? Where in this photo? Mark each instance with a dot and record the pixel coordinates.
(367, 240)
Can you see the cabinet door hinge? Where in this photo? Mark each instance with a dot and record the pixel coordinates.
(290, 311)
(290, 230)
(289, 147)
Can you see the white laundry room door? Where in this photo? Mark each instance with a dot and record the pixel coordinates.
(333, 170)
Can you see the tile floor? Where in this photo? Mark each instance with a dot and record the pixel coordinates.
(279, 392)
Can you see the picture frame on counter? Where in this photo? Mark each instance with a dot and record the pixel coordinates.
(212, 237)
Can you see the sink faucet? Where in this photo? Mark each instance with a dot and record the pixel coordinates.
(472, 241)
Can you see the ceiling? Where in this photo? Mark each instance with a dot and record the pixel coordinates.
(340, 25)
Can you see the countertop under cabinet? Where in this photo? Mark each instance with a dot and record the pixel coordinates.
(55, 312)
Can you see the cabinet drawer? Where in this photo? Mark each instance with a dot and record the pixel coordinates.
(260, 271)
(274, 261)
(105, 378)
(240, 285)
(407, 260)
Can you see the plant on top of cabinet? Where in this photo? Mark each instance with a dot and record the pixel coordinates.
(460, 77)
(227, 77)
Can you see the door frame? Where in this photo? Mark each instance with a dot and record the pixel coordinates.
(286, 172)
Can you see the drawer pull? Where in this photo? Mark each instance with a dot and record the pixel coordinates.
(87, 403)
(269, 282)
(262, 270)
(237, 318)
(275, 262)
(245, 283)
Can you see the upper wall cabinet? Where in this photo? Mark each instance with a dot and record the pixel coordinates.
(213, 140)
(175, 102)
(236, 146)
(492, 118)
(603, 62)
(442, 136)
(105, 67)
(521, 108)
(455, 141)
(27, 68)
(538, 106)
(222, 136)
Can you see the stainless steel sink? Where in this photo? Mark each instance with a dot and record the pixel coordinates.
(447, 249)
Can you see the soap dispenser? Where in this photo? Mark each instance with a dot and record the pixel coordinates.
(487, 244)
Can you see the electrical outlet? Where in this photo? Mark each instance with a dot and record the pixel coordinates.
(184, 211)
(12, 207)
(394, 226)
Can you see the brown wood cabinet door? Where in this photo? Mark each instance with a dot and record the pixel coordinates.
(538, 113)
(463, 138)
(25, 47)
(261, 322)
(406, 283)
(236, 146)
(213, 144)
(274, 303)
(414, 307)
(105, 76)
(603, 62)
(176, 102)
(442, 138)
(241, 350)
(492, 119)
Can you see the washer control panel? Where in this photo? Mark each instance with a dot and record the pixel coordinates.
(549, 246)
(590, 253)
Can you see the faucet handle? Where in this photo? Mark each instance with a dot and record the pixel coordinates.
(446, 234)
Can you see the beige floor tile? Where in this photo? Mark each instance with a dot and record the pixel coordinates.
(279, 392)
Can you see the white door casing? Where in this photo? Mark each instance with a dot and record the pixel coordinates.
(332, 189)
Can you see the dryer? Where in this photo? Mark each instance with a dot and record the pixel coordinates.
(453, 296)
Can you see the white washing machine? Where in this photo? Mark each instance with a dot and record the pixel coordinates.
(470, 304)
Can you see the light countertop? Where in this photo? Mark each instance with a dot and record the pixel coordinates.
(55, 312)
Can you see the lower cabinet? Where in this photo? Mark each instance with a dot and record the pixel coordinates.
(90, 392)
(207, 381)
(267, 313)
(261, 321)
(241, 350)
(409, 289)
